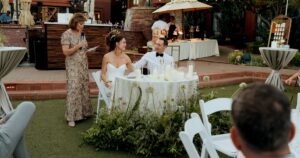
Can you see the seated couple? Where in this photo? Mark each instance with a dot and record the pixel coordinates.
(116, 62)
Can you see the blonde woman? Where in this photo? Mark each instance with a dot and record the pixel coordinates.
(74, 44)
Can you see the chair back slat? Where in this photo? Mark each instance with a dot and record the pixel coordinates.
(192, 127)
(213, 106)
(298, 102)
(101, 87)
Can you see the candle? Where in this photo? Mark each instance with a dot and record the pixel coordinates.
(274, 44)
(191, 69)
(181, 75)
(155, 73)
(138, 73)
(168, 68)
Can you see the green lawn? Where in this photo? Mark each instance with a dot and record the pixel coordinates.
(48, 135)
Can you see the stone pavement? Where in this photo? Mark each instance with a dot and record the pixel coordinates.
(30, 83)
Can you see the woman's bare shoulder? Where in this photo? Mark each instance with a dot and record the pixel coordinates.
(126, 56)
(107, 55)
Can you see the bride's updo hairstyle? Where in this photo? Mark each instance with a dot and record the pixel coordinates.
(112, 38)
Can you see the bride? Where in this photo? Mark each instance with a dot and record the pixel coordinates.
(116, 62)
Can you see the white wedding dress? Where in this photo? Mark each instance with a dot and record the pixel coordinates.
(112, 71)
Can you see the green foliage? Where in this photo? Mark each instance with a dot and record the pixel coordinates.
(221, 122)
(148, 133)
(2, 37)
(235, 57)
(134, 49)
(256, 60)
(296, 60)
(253, 47)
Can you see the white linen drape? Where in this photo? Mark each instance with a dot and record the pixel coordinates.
(276, 59)
(25, 17)
(5, 6)
(10, 57)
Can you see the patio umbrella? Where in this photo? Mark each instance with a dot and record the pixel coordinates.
(25, 17)
(183, 6)
(89, 6)
(5, 5)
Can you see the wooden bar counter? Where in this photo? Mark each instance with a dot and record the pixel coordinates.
(95, 35)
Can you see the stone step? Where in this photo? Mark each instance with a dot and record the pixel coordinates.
(43, 94)
(61, 94)
(57, 90)
(229, 81)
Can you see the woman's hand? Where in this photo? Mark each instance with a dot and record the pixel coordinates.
(288, 81)
(2, 121)
(82, 44)
(108, 84)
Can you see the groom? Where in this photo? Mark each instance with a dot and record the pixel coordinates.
(156, 59)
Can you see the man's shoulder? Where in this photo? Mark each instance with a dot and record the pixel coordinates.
(168, 55)
(290, 156)
(150, 53)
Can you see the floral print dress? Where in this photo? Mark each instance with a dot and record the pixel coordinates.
(78, 105)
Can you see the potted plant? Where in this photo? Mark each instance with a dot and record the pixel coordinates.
(2, 39)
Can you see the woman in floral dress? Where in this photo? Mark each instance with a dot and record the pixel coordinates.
(74, 44)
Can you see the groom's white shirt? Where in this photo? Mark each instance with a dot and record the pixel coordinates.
(151, 61)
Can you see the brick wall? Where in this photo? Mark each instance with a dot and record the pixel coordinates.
(134, 39)
(15, 35)
(140, 19)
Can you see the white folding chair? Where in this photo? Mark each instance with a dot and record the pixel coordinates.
(192, 127)
(102, 95)
(298, 102)
(222, 142)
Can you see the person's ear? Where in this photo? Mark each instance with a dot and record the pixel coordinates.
(235, 138)
(292, 131)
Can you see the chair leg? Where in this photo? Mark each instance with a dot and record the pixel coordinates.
(98, 109)
(204, 154)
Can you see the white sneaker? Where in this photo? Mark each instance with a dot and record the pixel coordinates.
(71, 123)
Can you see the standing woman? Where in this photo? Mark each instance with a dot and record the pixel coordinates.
(74, 45)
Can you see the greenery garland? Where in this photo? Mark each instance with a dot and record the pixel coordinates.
(148, 133)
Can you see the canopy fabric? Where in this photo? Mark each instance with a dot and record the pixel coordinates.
(10, 57)
(183, 5)
(5, 6)
(25, 17)
(89, 6)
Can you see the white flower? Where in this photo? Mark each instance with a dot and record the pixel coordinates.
(206, 78)
(243, 85)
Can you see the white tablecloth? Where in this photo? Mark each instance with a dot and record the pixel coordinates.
(156, 95)
(276, 59)
(194, 49)
(10, 57)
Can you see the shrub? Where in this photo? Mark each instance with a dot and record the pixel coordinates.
(147, 133)
(2, 37)
(296, 60)
(256, 60)
(253, 47)
(235, 57)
